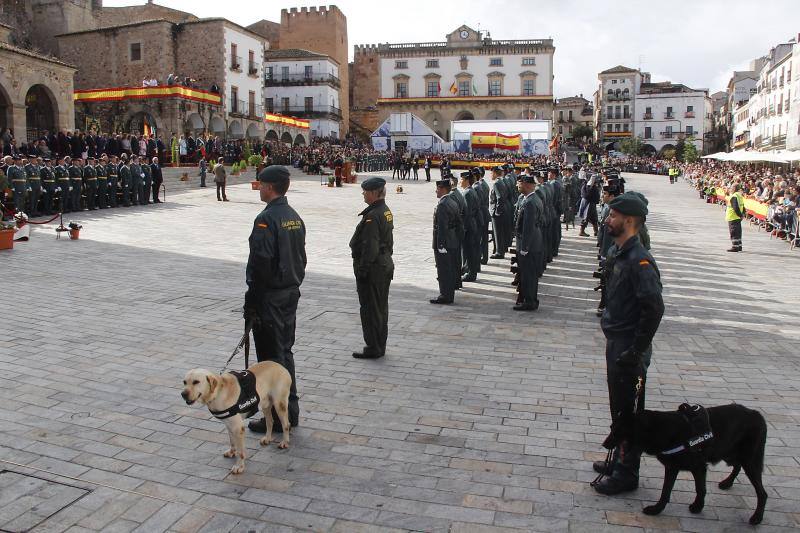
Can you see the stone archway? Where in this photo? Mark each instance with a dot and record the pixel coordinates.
(287, 138)
(41, 112)
(217, 125)
(648, 149)
(666, 147)
(142, 123)
(235, 130)
(253, 132)
(465, 115)
(272, 135)
(434, 121)
(194, 124)
(299, 140)
(6, 116)
(496, 115)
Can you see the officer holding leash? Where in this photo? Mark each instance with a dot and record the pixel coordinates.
(633, 312)
(275, 269)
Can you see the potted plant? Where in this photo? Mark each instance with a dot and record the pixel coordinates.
(235, 169)
(331, 181)
(74, 230)
(7, 230)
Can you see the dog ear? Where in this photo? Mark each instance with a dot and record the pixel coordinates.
(212, 383)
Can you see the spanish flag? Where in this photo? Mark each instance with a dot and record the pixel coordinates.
(483, 140)
(453, 89)
(509, 142)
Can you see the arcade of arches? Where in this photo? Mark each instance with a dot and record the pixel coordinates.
(35, 94)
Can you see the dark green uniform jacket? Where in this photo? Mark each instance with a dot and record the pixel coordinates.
(372, 243)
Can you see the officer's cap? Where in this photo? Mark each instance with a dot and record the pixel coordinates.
(527, 178)
(274, 174)
(476, 171)
(466, 174)
(443, 183)
(124, 156)
(482, 171)
(497, 169)
(373, 184)
(641, 196)
(46, 159)
(629, 204)
(611, 188)
(17, 157)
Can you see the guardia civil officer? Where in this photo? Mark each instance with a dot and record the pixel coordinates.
(482, 189)
(18, 183)
(557, 189)
(471, 250)
(633, 313)
(528, 231)
(147, 182)
(275, 269)
(62, 186)
(34, 185)
(125, 180)
(371, 248)
(112, 171)
(447, 230)
(101, 171)
(48, 185)
(497, 209)
(75, 171)
(90, 184)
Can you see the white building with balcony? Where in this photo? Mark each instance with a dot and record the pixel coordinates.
(772, 104)
(614, 104)
(667, 112)
(243, 78)
(303, 84)
(793, 80)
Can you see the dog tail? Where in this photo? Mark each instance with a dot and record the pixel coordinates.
(759, 442)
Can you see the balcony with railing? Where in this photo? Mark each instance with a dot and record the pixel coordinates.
(668, 134)
(245, 109)
(302, 78)
(617, 97)
(317, 111)
(648, 116)
(669, 114)
(252, 69)
(689, 114)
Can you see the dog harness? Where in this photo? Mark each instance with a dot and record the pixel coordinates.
(248, 401)
(700, 431)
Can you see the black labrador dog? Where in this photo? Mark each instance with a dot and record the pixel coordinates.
(739, 437)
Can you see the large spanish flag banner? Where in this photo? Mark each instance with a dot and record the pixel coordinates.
(286, 121)
(132, 93)
(483, 140)
(509, 142)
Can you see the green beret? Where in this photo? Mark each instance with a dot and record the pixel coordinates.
(274, 174)
(373, 184)
(443, 183)
(527, 178)
(629, 204)
(642, 197)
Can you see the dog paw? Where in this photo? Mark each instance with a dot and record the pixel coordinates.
(725, 484)
(653, 509)
(695, 507)
(756, 519)
(265, 441)
(283, 444)
(237, 468)
(229, 453)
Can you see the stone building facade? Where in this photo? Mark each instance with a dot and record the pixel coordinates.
(569, 113)
(35, 91)
(468, 76)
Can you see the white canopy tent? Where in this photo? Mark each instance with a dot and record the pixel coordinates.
(745, 156)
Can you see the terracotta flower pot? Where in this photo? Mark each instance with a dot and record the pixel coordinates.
(6, 239)
(74, 234)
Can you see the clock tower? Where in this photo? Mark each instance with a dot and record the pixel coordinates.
(463, 36)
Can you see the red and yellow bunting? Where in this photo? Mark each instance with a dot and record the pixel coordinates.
(133, 93)
(274, 118)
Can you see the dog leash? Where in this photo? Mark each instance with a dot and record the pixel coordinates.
(244, 342)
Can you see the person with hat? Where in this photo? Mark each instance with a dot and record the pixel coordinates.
(137, 180)
(100, 170)
(471, 252)
(34, 185)
(62, 180)
(448, 227)
(112, 171)
(529, 244)
(631, 318)
(276, 268)
(545, 193)
(124, 173)
(371, 247)
(512, 194)
(557, 189)
(497, 209)
(17, 182)
(482, 189)
(75, 172)
(48, 179)
(90, 184)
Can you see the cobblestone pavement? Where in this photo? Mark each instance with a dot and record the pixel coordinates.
(477, 420)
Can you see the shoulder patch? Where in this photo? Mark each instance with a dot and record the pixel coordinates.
(368, 220)
(644, 262)
(388, 215)
(262, 225)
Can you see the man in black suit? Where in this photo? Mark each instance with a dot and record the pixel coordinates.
(158, 179)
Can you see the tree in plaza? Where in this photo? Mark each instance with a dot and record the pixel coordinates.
(679, 147)
(582, 132)
(631, 146)
(690, 154)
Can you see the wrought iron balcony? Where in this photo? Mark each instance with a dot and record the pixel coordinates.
(236, 63)
(648, 116)
(689, 114)
(302, 78)
(317, 111)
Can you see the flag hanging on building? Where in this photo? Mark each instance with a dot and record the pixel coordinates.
(474, 89)
(483, 140)
(453, 89)
(438, 88)
(509, 142)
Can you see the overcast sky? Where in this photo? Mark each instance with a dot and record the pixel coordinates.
(695, 42)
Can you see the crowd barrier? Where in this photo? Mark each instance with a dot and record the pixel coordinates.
(752, 207)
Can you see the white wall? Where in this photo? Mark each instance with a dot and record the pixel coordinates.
(793, 138)
(478, 66)
(298, 67)
(659, 103)
(323, 95)
(245, 83)
(325, 128)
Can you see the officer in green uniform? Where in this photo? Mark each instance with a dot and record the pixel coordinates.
(546, 195)
(734, 214)
(75, 171)
(125, 181)
(136, 180)
(371, 248)
(147, 182)
(633, 313)
(528, 230)
(18, 183)
(48, 179)
(112, 171)
(62, 185)
(102, 182)
(471, 250)
(497, 210)
(34, 185)
(482, 189)
(448, 227)
(90, 184)
(275, 269)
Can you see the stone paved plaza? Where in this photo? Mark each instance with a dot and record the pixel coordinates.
(479, 419)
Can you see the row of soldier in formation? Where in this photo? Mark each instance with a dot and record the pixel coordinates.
(40, 187)
(528, 206)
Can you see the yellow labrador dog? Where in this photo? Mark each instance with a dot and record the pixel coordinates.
(236, 395)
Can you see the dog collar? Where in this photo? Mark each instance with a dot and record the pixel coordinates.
(696, 417)
(248, 401)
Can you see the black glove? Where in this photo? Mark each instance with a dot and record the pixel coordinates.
(629, 358)
(251, 317)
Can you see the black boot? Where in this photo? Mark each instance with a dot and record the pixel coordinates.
(625, 475)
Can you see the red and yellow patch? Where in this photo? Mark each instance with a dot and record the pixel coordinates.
(260, 225)
(644, 262)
